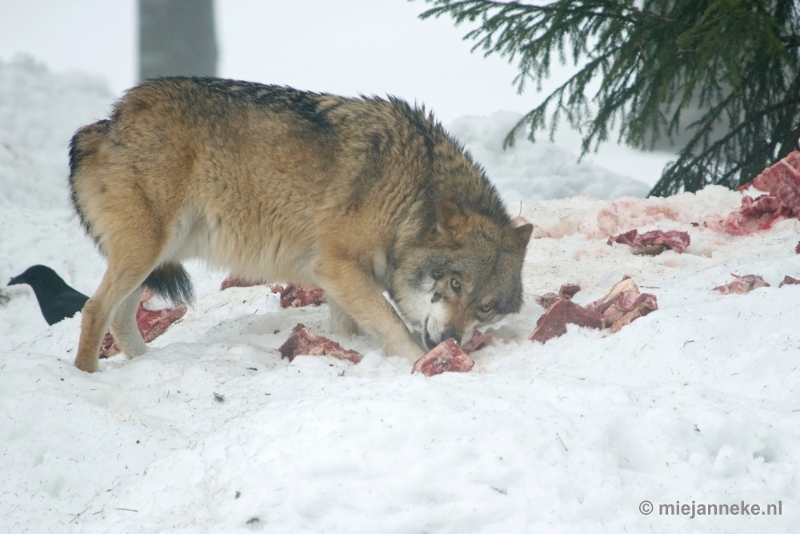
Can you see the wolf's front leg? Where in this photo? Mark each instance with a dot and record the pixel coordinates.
(354, 289)
(341, 322)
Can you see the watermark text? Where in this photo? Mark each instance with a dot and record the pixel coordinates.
(694, 509)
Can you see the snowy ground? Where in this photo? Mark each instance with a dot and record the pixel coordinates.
(211, 432)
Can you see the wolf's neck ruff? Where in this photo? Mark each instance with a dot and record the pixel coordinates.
(272, 183)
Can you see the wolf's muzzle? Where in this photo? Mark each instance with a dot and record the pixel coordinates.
(447, 334)
(450, 334)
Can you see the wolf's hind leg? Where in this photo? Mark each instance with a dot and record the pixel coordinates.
(127, 270)
(341, 321)
(124, 328)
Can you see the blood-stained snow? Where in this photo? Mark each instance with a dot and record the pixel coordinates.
(211, 431)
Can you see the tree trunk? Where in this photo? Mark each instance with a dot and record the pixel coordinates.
(176, 38)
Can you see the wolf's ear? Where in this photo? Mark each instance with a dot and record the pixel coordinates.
(451, 220)
(523, 234)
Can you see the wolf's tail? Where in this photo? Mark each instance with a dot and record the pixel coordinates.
(172, 282)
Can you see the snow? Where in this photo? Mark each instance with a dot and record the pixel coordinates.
(540, 171)
(210, 431)
(39, 112)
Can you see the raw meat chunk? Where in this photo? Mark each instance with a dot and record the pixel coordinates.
(623, 304)
(742, 284)
(151, 324)
(299, 296)
(566, 291)
(627, 285)
(477, 342)
(446, 357)
(618, 308)
(547, 300)
(303, 341)
(627, 307)
(788, 280)
(754, 215)
(554, 322)
(782, 182)
(653, 242)
(109, 347)
(292, 295)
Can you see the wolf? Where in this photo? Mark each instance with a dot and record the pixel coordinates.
(360, 196)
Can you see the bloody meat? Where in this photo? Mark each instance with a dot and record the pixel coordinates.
(304, 341)
(782, 182)
(446, 357)
(151, 324)
(653, 242)
(297, 296)
(554, 322)
(566, 291)
(742, 284)
(622, 305)
(477, 342)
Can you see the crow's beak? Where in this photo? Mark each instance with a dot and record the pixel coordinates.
(14, 281)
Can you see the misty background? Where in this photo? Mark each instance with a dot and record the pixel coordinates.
(348, 48)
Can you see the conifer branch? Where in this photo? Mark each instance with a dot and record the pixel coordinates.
(656, 59)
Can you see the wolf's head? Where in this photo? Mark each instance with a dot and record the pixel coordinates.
(465, 273)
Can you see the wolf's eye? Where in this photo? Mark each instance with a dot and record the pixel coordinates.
(487, 308)
(455, 284)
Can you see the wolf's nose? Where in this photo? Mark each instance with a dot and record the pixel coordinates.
(449, 334)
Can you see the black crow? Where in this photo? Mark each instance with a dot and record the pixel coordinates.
(56, 299)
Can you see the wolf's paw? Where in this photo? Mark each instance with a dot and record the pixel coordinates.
(135, 348)
(88, 365)
(130, 346)
(409, 350)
